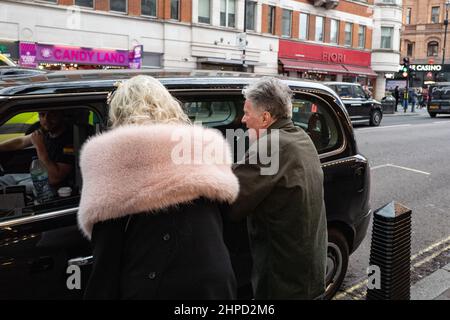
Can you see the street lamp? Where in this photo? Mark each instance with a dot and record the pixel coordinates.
(447, 5)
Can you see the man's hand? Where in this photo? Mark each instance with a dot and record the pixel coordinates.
(37, 139)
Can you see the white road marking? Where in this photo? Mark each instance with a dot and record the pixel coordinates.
(410, 169)
(385, 127)
(400, 126)
(381, 166)
(399, 167)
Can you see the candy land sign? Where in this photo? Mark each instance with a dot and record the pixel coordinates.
(61, 54)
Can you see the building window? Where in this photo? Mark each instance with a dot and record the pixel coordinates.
(204, 11)
(175, 9)
(435, 15)
(432, 49)
(118, 5)
(319, 29)
(85, 3)
(348, 34)
(410, 49)
(386, 37)
(304, 26)
(362, 36)
(334, 31)
(250, 15)
(148, 8)
(287, 23)
(227, 13)
(271, 20)
(408, 16)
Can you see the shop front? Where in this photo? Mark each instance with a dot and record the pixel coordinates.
(325, 63)
(55, 57)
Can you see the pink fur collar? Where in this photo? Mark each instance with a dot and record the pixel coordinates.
(131, 169)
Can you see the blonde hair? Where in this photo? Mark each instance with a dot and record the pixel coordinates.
(143, 100)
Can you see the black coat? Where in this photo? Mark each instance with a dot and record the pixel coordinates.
(177, 253)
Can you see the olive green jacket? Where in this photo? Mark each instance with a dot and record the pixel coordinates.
(286, 216)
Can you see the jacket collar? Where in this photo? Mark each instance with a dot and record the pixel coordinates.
(134, 169)
(282, 124)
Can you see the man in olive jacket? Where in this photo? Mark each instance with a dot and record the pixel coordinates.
(285, 207)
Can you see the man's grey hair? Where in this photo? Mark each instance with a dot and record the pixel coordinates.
(271, 95)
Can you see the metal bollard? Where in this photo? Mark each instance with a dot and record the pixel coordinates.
(391, 251)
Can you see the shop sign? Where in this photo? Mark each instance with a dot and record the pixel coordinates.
(426, 67)
(317, 53)
(60, 54)
(135, 57)
(27, 53)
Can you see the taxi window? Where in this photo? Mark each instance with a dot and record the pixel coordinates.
(344, 91)
(211, 112)
(318, 122)
(20, 177)
(18, 125)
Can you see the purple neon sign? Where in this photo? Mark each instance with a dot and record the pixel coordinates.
(61, 54)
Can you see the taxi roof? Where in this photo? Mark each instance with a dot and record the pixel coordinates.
(79, 81)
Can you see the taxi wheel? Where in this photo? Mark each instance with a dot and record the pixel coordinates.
(375, 118)
(433, 115)
(337, 262)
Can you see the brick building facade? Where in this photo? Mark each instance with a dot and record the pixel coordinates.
(423, 31)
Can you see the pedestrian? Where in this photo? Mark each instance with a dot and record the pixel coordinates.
(424, 97)
(414, 99)
(153, 217)
(397, 97)
(285, 209)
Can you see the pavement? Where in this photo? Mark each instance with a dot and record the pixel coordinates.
(435, 286)
(408, 112)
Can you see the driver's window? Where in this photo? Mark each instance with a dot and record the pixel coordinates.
(344, 91)
(359, 92)
(39, 154)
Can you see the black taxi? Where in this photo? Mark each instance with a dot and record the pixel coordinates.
(41, 246)
(361, 107)
(439, 99)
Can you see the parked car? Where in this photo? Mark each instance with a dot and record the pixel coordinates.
(439, 99)
(5, 61)
(11, 73)
(39, 241)
(361, 107)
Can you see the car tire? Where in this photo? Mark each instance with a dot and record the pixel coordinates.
(433, 115)
(375, 118)
(337, 262)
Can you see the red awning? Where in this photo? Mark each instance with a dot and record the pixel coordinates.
(302, 65)
(289, 64)
(366, 71)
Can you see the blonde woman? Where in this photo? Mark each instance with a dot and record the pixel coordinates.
(154, 219)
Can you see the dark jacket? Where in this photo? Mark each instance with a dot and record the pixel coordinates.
(286, 217)
(155, 224)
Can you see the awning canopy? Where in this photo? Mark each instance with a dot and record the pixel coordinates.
(289, 64)
(360, 70)
(301, 65)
